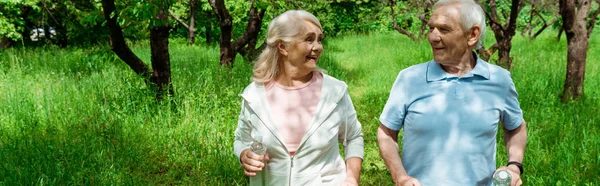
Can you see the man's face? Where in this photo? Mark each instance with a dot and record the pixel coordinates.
(448, 40)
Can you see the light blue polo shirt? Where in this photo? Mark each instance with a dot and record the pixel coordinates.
(450, 123)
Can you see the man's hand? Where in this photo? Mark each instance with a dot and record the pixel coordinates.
(407, 180)
(252, 162)
(515, 174)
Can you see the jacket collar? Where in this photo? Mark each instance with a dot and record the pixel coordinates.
(332, 92)
(436, 73)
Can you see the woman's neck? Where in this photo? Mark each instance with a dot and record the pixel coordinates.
(293, 79)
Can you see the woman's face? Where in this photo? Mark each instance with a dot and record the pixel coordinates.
(304, 51)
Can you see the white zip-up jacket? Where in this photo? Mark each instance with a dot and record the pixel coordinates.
(317, 160)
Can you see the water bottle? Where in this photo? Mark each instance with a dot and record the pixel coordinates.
(259, 148)
(502, 178)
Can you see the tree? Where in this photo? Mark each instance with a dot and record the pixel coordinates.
(575, 14)
(229, 49)
(191, 27)
(424, 10)
(537, 9)
(502, 32)
(159, 43)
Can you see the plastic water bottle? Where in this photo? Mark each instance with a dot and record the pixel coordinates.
(258, 147)
(502, 178)
(261, 149)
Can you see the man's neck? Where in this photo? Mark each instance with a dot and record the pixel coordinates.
(465, 65)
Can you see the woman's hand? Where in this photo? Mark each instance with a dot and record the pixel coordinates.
(252, 162)
(349, 182)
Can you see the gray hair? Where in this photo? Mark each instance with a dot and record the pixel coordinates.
(283, 28)
(471, 14)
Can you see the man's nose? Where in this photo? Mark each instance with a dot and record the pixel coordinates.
(434, 35)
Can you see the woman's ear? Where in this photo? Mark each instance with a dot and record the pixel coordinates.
(281, 48)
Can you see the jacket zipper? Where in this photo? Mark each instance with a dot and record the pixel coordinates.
(291, 157)
(291, 167)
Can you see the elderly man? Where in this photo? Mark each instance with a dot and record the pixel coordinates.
(450, 109)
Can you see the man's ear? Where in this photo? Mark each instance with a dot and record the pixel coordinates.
(281, 48)
(473, 35)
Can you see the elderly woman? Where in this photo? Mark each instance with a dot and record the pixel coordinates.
(300, 113)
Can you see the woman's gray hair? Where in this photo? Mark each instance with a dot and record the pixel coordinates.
(471, 14)
(283, 28)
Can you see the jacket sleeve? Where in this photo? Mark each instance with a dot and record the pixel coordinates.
(351, 130)
(242, 132)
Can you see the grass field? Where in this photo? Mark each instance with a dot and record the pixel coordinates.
(82, 117)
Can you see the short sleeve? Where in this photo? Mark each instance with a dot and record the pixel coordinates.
(512, 115)
(395, 107)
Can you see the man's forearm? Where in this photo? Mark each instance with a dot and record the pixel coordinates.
(516, 142)
(388, 147)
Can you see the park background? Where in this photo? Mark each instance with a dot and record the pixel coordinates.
(77, 109)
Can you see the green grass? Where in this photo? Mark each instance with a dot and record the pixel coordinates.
(82, 117)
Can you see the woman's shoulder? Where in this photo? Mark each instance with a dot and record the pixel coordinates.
(332, 81)
(251, 91)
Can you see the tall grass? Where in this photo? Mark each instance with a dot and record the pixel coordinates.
(82, 117)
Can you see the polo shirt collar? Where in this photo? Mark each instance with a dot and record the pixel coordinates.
(436, 73)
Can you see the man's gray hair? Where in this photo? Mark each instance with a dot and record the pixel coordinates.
(471, 14)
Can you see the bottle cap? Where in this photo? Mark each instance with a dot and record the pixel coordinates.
(503, 175)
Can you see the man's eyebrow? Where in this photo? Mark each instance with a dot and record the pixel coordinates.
(438, 25)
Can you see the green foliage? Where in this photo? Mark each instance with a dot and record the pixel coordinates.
(80, 116)
(12, 24)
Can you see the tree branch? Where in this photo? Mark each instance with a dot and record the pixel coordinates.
(117, 41)
(545, 26)
(178, 20)
(487, 53)
(493, 17)
(252, 28)
(396, 27)
(512, 20)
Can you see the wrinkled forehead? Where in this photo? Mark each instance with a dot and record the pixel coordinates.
(446, 14)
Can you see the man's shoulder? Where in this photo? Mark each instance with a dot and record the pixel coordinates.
(497, 72)
(415, 71)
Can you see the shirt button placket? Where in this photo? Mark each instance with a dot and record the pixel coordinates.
(458, 94)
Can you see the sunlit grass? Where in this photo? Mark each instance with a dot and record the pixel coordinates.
(82, 117)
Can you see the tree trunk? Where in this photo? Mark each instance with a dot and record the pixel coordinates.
(159, 44)
(191, 28)
(159, 47)
(561, 29)
(574, 17)
(505, 33)
(227, 53)
(118, 44)
(227, 48)
(61, 32)
(249, 38)
(208, 28)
